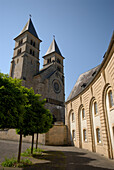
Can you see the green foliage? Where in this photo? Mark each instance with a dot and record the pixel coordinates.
(11, 102)
(27, 152)
(9, 162)
(13, 163)
(36, 118)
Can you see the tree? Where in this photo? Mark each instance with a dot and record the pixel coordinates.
(34, 118)
(11, 102)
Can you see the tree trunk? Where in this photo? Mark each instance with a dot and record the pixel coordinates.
(32, 144)
(37, 141)
(19, 151)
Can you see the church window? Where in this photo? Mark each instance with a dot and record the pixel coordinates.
(58, 68)
(34, 44)
(19, 51)
(95, 108)
(98, 135)
(72, 116)
(20, 42)
(73, 134)
(58, 61)
(31, 42)
(30, 51)
(17, 60)
(111, 102)
(48, 61)
(83, 113)
(84, 135)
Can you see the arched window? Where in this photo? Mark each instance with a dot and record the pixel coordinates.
(31, 42)
(83, 113)
(72, 116)
(98, 135)
(17, 60)
(111, 103)
(95, 108)
(73, 134)
(84, 135)
(34, 44)
(30, 51)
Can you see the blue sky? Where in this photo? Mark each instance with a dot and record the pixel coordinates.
(82, 29)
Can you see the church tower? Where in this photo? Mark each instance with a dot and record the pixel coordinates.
(53, 63)
(25, 61)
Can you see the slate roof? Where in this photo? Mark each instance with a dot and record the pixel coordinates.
(30, 28)
(82, 82)
(53, 48)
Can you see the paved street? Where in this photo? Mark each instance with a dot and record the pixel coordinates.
(61, 158)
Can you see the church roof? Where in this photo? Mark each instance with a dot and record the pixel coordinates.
(53, 48)
(82, 82)
(47, 71)
(30, 28)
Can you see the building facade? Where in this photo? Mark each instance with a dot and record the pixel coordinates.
(89, 112)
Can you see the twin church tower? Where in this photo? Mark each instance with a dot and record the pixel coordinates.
(48, 81)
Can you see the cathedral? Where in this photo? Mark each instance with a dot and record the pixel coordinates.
(49, 81)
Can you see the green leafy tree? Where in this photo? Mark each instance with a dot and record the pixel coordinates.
(12, 102)
(35, 117)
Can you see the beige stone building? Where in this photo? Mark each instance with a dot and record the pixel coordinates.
(89, 112)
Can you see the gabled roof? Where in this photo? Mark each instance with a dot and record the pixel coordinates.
(47, 71)
(30, 28)
(53, 48)
(83, 81)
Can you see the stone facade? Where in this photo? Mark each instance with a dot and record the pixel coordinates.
(89, 112)
(49, 81)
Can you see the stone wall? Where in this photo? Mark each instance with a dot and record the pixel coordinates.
(56, 136)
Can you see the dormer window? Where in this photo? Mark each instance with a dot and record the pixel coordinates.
(83, 85)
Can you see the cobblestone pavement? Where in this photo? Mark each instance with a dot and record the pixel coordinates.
(58, 158)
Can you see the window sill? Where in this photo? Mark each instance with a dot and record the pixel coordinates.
(96, 114)
(111, 108)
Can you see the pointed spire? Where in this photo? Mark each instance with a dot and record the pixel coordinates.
(30, 28)
(53, 48)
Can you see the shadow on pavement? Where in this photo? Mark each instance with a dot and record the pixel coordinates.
(61, 160)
